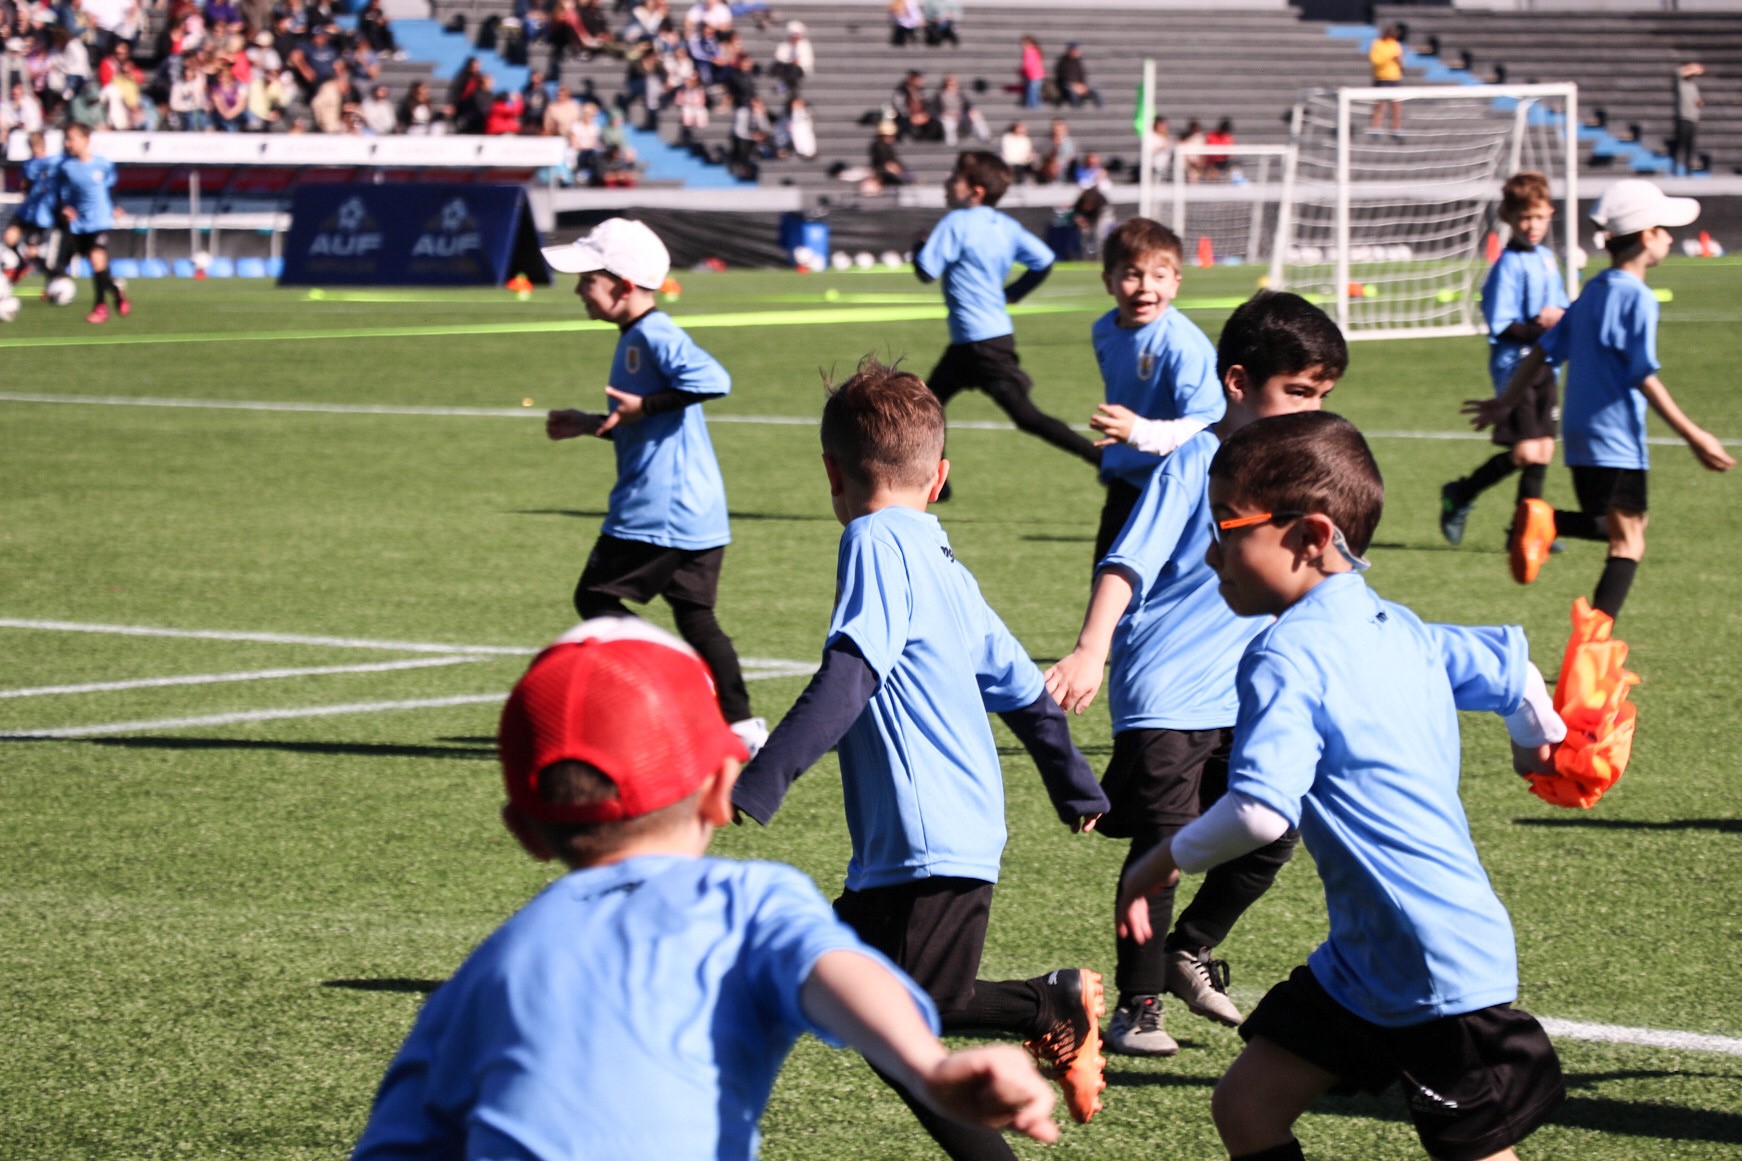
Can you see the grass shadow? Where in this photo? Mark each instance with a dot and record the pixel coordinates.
(1720, 825)
(390, 984)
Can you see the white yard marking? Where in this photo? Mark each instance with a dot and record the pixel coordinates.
(1641, 1037)
(219, 678)
(264, 638)
(538, 413)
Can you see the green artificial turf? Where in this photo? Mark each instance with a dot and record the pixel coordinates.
(215, 937)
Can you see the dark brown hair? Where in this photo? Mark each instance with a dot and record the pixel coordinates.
(1278, 333)
(1521, 191)
(1307, 461)
(986, 170)
(1137, 238)
(580, 844)
(884, 426)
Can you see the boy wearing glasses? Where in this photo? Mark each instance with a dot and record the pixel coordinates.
(1348, 730)
(1173, 644)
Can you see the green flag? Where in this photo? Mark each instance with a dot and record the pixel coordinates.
(1140, 122)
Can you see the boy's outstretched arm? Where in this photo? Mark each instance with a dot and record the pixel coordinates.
(1703, 443)
(858, 1000)
(1075, 679)
(1045, 733)
(825, 711)
(1487, 412)
(1158, 437)
(1236, 825)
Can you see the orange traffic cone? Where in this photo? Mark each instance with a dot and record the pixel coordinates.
(1705, 244)
(1493, 251)
(1206, 253)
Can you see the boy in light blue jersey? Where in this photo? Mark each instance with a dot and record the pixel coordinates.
(971, 251)
(1608, 339)
(1348, 729)
(1523, 296)
(27, 234)
(642, 1004)
(1174, 645)
(1158, 367)
(913, 662)
(84, 184)
(666, 531)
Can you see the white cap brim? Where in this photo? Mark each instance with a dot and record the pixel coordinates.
(1679, 211)
(573, 258)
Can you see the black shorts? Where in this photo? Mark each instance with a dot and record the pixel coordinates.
(632, 570)
(1163, 778)
(1600, 489)
(84, 244)
(1475, 1083)
(1537, 414)
(933, 929)
(990, 364)
(1122, 497)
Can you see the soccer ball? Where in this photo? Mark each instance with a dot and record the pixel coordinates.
(8, 308)
(891, 258)
(841, 260)
(61, 291)
(9, 260)
(864, 260)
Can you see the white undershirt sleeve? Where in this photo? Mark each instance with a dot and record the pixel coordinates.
(1235, 825)
(1160, 437)
(1535, 723)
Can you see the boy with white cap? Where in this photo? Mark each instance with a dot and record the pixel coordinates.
(641, 1005)
(1608, 339)
(666, 532)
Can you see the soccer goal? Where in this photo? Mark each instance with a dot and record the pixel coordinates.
(1224, 200)
(1390, 195)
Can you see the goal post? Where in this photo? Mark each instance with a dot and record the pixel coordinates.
(1390, 193)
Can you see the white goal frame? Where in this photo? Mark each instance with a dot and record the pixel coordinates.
(1564, 176)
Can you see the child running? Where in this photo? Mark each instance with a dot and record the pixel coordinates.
(666, 532)
(971, 252)
(1608, 339)
(90, 213)
(1348, 729)
(27, 234)
(1174, 645)
(1159, 369)
(1523, 297)
(641, 1005)
(914, 660)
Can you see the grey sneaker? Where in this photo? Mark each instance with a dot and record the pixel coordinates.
(1202, 983)
(1452, 514)
(1136, 1029)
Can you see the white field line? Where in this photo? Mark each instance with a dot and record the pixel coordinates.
(219, 678)
(1641, 1037)
(264, 638)
(530, 412)
(159, 725)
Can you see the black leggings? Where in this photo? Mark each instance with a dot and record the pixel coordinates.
(697, 625)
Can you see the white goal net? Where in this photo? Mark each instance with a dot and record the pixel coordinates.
(1390, 198)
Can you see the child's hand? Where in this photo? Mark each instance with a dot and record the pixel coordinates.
(1074, 681)
(1532, 759)
(994, 1085)
(1548, 316)
(1485, 412)
(569, 423)
(629, 409)
(1085, 823)
(1710, 452)
(1113, 420)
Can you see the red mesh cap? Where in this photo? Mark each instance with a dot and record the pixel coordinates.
(626, 698)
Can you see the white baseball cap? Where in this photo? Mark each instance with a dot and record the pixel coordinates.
(622, 247)
(1634, 204)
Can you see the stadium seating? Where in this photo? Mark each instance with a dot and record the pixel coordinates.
(1623, 63)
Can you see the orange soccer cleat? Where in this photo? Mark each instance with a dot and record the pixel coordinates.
(1532, 536)
(1069, 1051)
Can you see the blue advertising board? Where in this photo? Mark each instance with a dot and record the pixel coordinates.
(411, 235)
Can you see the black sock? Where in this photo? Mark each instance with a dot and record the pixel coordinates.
(1530, 481)
(104, 285)
(1496, 468)
(1288, 1152)
(1578, 525)
(1612, 586)
(1019, 1007)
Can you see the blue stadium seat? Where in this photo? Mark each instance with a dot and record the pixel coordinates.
(274, 267)
(221, 267)
(124, 268)
(81, 268)
(183, 268)
(153, 268)
(250, 268)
